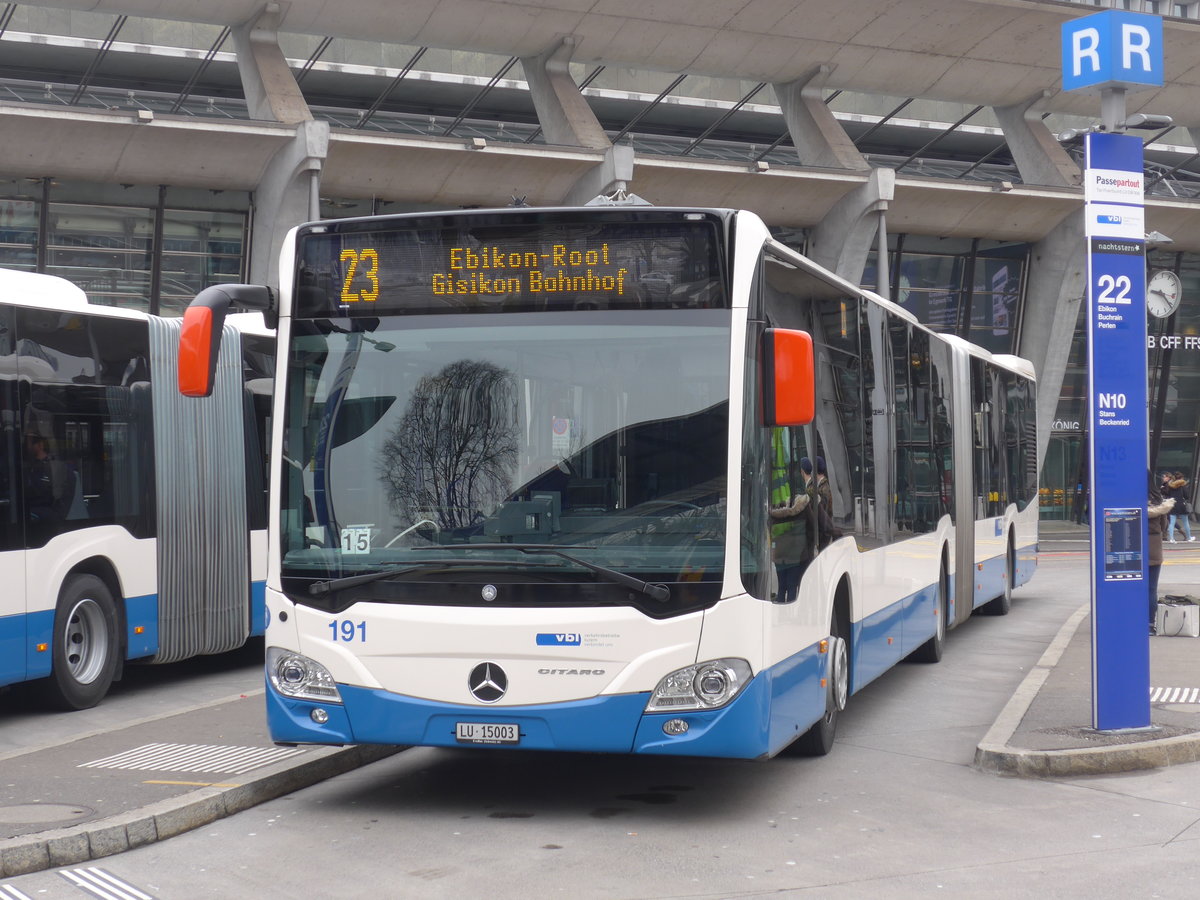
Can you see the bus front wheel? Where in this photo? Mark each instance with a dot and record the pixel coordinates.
(818, 740)
(85, 644)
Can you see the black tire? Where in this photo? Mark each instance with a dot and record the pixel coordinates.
(818, 740)
(931, 650)
(85, 644)
(1002, 604)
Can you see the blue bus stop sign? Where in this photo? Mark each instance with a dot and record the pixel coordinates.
(1112, 49)
(1110, 52)
(1118, 455)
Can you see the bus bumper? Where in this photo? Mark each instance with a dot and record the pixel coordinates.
(605, 724)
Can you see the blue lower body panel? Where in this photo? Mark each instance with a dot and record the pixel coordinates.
(39, 632)
(141, 612)
(797, 696)
(13, 664)
(258, 607)
(1026, 564)
(771, 711)
(881, 640)
(989, 578)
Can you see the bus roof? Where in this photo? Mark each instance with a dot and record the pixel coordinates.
(1017, 364)
(250, 323)
(40, 290)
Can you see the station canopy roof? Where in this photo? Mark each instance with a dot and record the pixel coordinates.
(990, 52)
(913, 82)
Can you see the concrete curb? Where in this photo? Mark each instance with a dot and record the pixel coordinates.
(994, 755)
(116, 834)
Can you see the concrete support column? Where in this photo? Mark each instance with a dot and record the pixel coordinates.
(567, 119)
(289, 191)
(847, 233)
(1039, 156)
(613, 174)
(1056, 288)
(286, 196)
(819, 138)
(562, 111)
(270, 88)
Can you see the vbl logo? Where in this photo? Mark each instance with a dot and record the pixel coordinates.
(560, 639)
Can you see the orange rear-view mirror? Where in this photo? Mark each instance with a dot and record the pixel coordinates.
(200, 339)
(789, 382)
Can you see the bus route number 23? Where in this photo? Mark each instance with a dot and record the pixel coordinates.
(366, 259)
(347, 631)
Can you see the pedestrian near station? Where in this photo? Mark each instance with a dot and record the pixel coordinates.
(1158, 507)
(1177, 490)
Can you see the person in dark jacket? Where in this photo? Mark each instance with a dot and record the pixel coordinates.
(816, 485)
(1177, 490)
(1157, 509)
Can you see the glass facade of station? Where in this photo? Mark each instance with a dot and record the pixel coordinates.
(1173, 390)
(154, 249)
(147, 248)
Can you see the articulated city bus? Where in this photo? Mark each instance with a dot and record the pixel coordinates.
(132, 519)
(623, 479)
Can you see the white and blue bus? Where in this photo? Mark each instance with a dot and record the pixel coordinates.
(620, 479)
(115, 543)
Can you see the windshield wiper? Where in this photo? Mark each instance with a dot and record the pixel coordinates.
(348, 581)
(659, 592)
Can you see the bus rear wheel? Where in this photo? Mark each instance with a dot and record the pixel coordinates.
(818, 740)
(1002, 604)
(85, 644)
(931, 650)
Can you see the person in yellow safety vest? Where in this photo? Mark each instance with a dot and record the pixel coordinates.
(793, 525)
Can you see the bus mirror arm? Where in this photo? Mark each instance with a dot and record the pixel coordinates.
(200, 337)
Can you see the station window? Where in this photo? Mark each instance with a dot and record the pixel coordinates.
(20, 209)
(153, 250)
(106, 250)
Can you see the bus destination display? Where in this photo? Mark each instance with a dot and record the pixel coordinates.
(491, 270)
(502, 268)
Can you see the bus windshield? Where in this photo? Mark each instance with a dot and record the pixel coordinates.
(412, 439)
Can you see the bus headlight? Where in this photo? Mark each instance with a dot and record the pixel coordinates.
(295, 675)
(705, 685)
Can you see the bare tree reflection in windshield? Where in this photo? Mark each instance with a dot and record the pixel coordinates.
(452, 456)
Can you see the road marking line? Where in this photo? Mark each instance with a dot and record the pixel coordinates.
(193, 758)
(1174, 695)
(103, 884)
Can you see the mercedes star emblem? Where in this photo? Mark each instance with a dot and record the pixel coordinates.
(487, 682)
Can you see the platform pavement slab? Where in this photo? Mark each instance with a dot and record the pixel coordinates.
(112, 791)
(1046, 729)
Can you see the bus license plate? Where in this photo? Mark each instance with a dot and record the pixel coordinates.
(486, 733)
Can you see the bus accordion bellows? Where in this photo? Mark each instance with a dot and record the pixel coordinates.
(620, 479)
(132, 519)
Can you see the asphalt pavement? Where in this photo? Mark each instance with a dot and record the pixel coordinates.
(117, 789)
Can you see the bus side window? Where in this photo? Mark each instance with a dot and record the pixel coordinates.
(88, 466)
